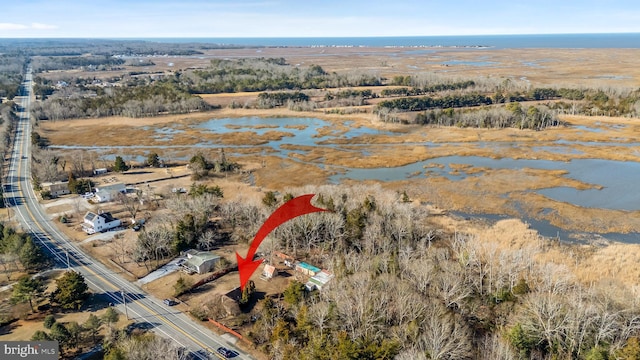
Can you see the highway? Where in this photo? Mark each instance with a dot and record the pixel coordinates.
(149, 312)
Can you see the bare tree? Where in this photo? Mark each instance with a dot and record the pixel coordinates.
(443, 335)
(130, 203)
(207, 239)
(121, 248)
(8, 262)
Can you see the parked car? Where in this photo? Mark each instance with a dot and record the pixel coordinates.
(227, 353)
(170, 302)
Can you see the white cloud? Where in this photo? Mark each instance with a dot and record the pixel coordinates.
(11, 26)
(32, 26)
(40, 26)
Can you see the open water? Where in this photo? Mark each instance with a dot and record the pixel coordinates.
(614, 40)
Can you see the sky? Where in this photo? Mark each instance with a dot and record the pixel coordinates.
(318, 18)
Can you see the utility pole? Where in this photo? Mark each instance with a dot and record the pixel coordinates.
(68, 263)
(124, 301)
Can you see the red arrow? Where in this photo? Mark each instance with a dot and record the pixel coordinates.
(295, 207)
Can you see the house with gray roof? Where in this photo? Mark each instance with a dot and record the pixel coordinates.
(109, 192)
(200, 261)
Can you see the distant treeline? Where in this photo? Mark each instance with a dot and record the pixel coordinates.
(583, 101)
(346, 94)
(513, 115)
(73, 62)
(79, 47)
(273, 99)
(427, 102)
(227, 76)
(11, 74)
(145, 100)
(404, 91)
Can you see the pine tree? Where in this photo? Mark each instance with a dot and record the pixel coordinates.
(71, 290)
(120, 165)
(92, 326)
(30, 255)
(27, 289)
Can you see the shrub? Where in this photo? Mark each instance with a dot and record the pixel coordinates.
(49, 320)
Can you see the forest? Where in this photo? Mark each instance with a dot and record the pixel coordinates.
(161, 97)
(11, 74)
(261, 74)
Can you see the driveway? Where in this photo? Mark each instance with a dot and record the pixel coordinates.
(107, 235)
(170, 267)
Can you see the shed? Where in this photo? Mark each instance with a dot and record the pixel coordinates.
(319, 280)
(307, 269)
(100, 171)
(201, 261)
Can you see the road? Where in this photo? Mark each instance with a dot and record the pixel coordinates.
(141, 307)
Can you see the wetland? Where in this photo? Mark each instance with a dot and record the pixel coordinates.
(577, 177)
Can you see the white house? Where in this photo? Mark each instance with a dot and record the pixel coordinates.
(99, 222)
(109, 192)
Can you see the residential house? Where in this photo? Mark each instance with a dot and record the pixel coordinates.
(99, 222)
(200, 261)
(268, 272)
(56, 188)
(105, 193)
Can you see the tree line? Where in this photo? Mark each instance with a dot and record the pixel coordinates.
(514, 116)
(162, 97)
(106, 62)
(262, 74)
(12, 68)
(415, 91)
(428, 102)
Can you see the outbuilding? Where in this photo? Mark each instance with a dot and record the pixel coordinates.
(319, 280)
(200, 261)
(307, 269)
(100, 171)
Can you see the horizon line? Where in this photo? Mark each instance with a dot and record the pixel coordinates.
(313, 37)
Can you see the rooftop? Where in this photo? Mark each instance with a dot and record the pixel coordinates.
(200, 257)
(111, 187)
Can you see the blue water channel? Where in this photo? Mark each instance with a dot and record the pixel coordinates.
(619, 192)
